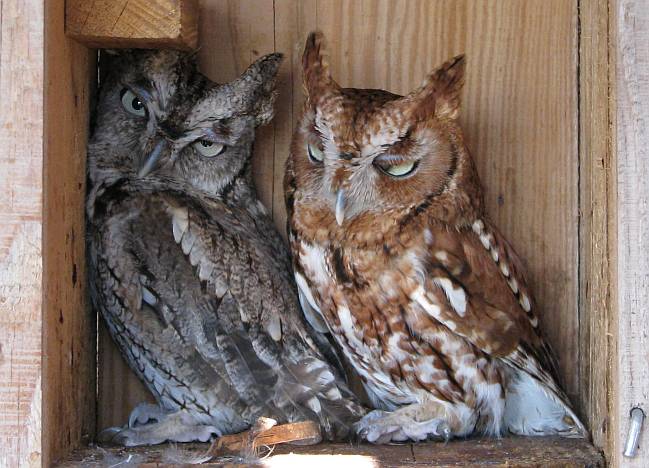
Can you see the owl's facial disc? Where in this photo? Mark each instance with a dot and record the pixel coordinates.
(402, 148)
(357, 164)
(165, 150)
(383, 166)
(169, 138)
(161, 123)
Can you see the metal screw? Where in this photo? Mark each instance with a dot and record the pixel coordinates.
(633, 436)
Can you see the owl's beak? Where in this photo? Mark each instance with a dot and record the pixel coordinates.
(340, 207)
(151, 161)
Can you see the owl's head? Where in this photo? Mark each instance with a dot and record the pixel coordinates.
(162, 124)
(367, 155)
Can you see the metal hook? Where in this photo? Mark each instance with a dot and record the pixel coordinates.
(633, 436)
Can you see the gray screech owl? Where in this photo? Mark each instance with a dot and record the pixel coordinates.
(185, 266)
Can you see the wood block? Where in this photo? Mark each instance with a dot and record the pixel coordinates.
(69, 326)
(133, 23)
(21, 229)
(300, 432)
(596, 184)
(630, 115)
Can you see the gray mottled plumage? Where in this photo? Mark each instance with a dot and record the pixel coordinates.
(186, 268)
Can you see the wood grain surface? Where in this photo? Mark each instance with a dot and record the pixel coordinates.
(631, 119)
(597, 215)
(21, 218)
(502, 453)
(555, 88)
(69, 326)
(520, 114)
(47, 337)
(133, 23)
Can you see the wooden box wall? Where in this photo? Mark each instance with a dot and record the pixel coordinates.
(538, 113)
(520, 115)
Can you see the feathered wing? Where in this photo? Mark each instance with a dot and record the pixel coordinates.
(146, 293)
(481, 280)
(205, 313)
(308, 304)
(257, 283)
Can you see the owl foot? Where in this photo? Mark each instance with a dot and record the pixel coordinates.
(172, 427)
(380, 427)
(145, 412)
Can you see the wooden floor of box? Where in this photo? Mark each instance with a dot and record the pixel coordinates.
(506, 452)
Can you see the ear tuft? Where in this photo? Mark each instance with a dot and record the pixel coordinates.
(258, 83)
(315, 67)
(449, 81)
(440, 93)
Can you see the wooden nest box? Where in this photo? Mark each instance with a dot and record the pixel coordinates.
(555, 112)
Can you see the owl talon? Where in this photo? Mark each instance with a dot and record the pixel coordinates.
(150, 434)
(445, 432)
(108, 435)
(145, 412)
(173, 427)
(379, 427)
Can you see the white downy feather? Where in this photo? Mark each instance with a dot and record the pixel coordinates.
(534, 410)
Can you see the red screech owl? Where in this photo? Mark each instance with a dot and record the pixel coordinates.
(394, 255)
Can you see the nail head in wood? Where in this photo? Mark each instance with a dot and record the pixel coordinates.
(637, 417)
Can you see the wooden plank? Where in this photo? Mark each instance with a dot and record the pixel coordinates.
(597, 344)
(21, 216)
(301, 432)
(45, 410)
(133, 23)
(69, 328)
(631, 117)
(501, 453)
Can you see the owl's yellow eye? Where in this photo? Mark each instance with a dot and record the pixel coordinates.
(396, 170)
(132, 104)
(315, 153)
(208, 148)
